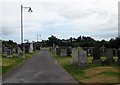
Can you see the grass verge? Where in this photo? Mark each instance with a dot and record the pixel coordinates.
(92, 73)
(9, 63)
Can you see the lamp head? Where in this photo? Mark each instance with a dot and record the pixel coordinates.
(30, 10)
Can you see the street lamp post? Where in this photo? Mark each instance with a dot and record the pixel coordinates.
(29, 10)
(38, 36)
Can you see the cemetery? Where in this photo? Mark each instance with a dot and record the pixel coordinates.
(13, 56)
(101, 66)
(86, 64)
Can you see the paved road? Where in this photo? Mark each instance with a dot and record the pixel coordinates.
(40, 68)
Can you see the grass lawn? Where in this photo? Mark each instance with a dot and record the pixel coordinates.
(9, 63)
(92, 73)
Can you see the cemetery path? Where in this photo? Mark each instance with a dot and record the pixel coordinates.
(40, 68)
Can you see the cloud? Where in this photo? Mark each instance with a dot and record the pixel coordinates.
(63, 18)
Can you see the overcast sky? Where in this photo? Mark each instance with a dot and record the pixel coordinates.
(62, 18)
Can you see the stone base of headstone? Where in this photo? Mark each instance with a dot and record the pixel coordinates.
(9, 56)
(118, 62)
(98, 61)
(83, 64)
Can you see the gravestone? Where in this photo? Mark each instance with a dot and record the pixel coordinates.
(69, 52)
(26, 49)
(114, 52)
(20, 53)
(58, 51)
(31, 47)
(118, 53)
(91, 51)
(103, 50)
(5, 50)
(63, 52)
(0, 50)
(83, 58)
(96, 55)
(9, 53)
(109, 55)
(75, 58)
(14, 50)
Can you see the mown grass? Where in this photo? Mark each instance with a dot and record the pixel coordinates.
(9, 63)
(91, 73)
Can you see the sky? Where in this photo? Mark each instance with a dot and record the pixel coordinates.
(61, 18)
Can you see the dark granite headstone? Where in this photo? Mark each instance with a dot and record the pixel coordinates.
(26, 49)
(69, 52)
(118, 56)
(96, 55)
(5, 50)
(91, 51)
(58, 51)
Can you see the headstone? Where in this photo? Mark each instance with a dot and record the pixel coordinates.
(5, 50)
(75, 59)
(91, 51)
(63, 52)
(114, 52)
(103, 50)
(20, 53)
(83, 58)
(9, 53)
(96, 55)
(109, 55)
(31, 47)
(58, 51)
(26, 49)
(0, 50)
(69, 52)
(118, 56)
(14, 50)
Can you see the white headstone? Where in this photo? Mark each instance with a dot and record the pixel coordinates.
(75, 59)
(31, 47)
(20, 53)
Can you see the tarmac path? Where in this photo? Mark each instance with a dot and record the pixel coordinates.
(40, 68)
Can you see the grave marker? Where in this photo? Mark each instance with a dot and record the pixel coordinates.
(96, 55)
(75, 59)
(83, 58)
(109, 55)
(9, 53)
(118, 56)
(63, 52)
